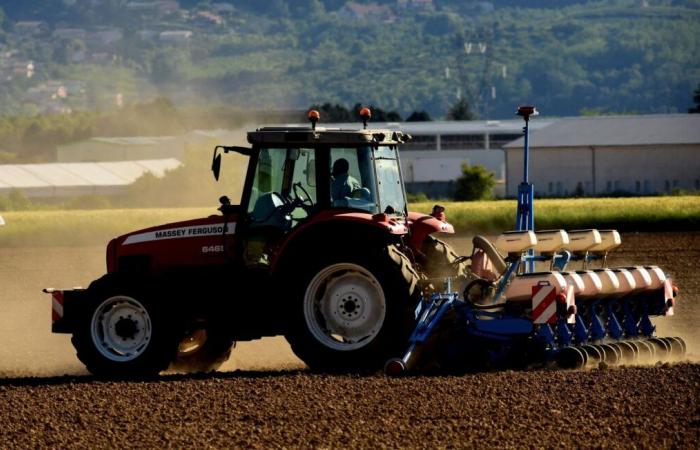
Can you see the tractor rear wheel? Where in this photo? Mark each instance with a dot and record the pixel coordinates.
(353, 309)
(123, 331)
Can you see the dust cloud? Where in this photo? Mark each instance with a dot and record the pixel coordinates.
(28, 348)
(675, 253)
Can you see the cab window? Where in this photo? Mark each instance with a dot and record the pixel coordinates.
(353, 183)
(274, 199)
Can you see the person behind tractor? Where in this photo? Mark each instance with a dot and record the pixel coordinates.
(343, 184)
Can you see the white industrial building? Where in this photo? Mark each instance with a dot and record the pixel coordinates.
(64, 180)
(583, 155)
(145, 147)
(640, 155)
(432, 160)
(121, 149)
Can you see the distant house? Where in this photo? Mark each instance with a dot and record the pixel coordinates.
(646, 154)
(30, 27)
(142, 7)
(168, 6)
(102, 58)
(420, 5)
(54, 90)
(107, 36)
(52, 95)
(69, 33)
(23, 68)
(156, 7)
(175, 37)
(208, 18)
(223, 8)
(368, 12)
(147, 35)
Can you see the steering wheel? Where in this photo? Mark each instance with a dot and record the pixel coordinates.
(286, 206)
(304, 200)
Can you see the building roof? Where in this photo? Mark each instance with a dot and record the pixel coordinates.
(63, 179)
(609, 131)
(133, 140)
(444, 127)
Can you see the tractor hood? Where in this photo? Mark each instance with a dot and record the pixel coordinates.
(186, 243)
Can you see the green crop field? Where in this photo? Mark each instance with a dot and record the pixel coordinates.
(625, 214)
(68, 228)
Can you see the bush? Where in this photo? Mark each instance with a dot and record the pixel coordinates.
(89, 202)
(476, 183)
(15, 201)
(418, 197)
(460, 111)
(419, 116)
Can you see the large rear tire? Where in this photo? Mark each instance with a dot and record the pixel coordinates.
(352, 309)
(123, 331)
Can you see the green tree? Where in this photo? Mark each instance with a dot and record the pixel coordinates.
(419, 116)
(169, 65)
(378, 114)
(333, 113)
(460, 111)
(476, 183)
(18, 201)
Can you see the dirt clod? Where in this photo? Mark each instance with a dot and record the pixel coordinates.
(631, 406)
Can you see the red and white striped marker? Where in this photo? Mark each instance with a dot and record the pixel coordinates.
(544, 305)
(668, 296)
(56, 305)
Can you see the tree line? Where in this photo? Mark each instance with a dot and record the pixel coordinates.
(564, 55)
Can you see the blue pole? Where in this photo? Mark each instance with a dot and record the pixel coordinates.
(527, 150)
(525, 218)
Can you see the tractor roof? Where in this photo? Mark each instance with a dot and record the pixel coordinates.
(276, 136)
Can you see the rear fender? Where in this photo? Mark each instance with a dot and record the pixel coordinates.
(423, 225)
(340, 227)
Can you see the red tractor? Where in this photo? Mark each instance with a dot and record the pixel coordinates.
(322, 249)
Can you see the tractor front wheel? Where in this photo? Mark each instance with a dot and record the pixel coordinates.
(123, 331)
(354, 309)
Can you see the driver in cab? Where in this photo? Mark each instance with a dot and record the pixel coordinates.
(343, 184)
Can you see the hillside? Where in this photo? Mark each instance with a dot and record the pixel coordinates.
(569, 57)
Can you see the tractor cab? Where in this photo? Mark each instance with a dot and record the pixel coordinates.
(295, 173)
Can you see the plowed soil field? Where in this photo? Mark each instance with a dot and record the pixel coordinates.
(266, 399)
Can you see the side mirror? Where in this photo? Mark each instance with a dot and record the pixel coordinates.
(216, 159)
(311, 172)
(216, 164)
